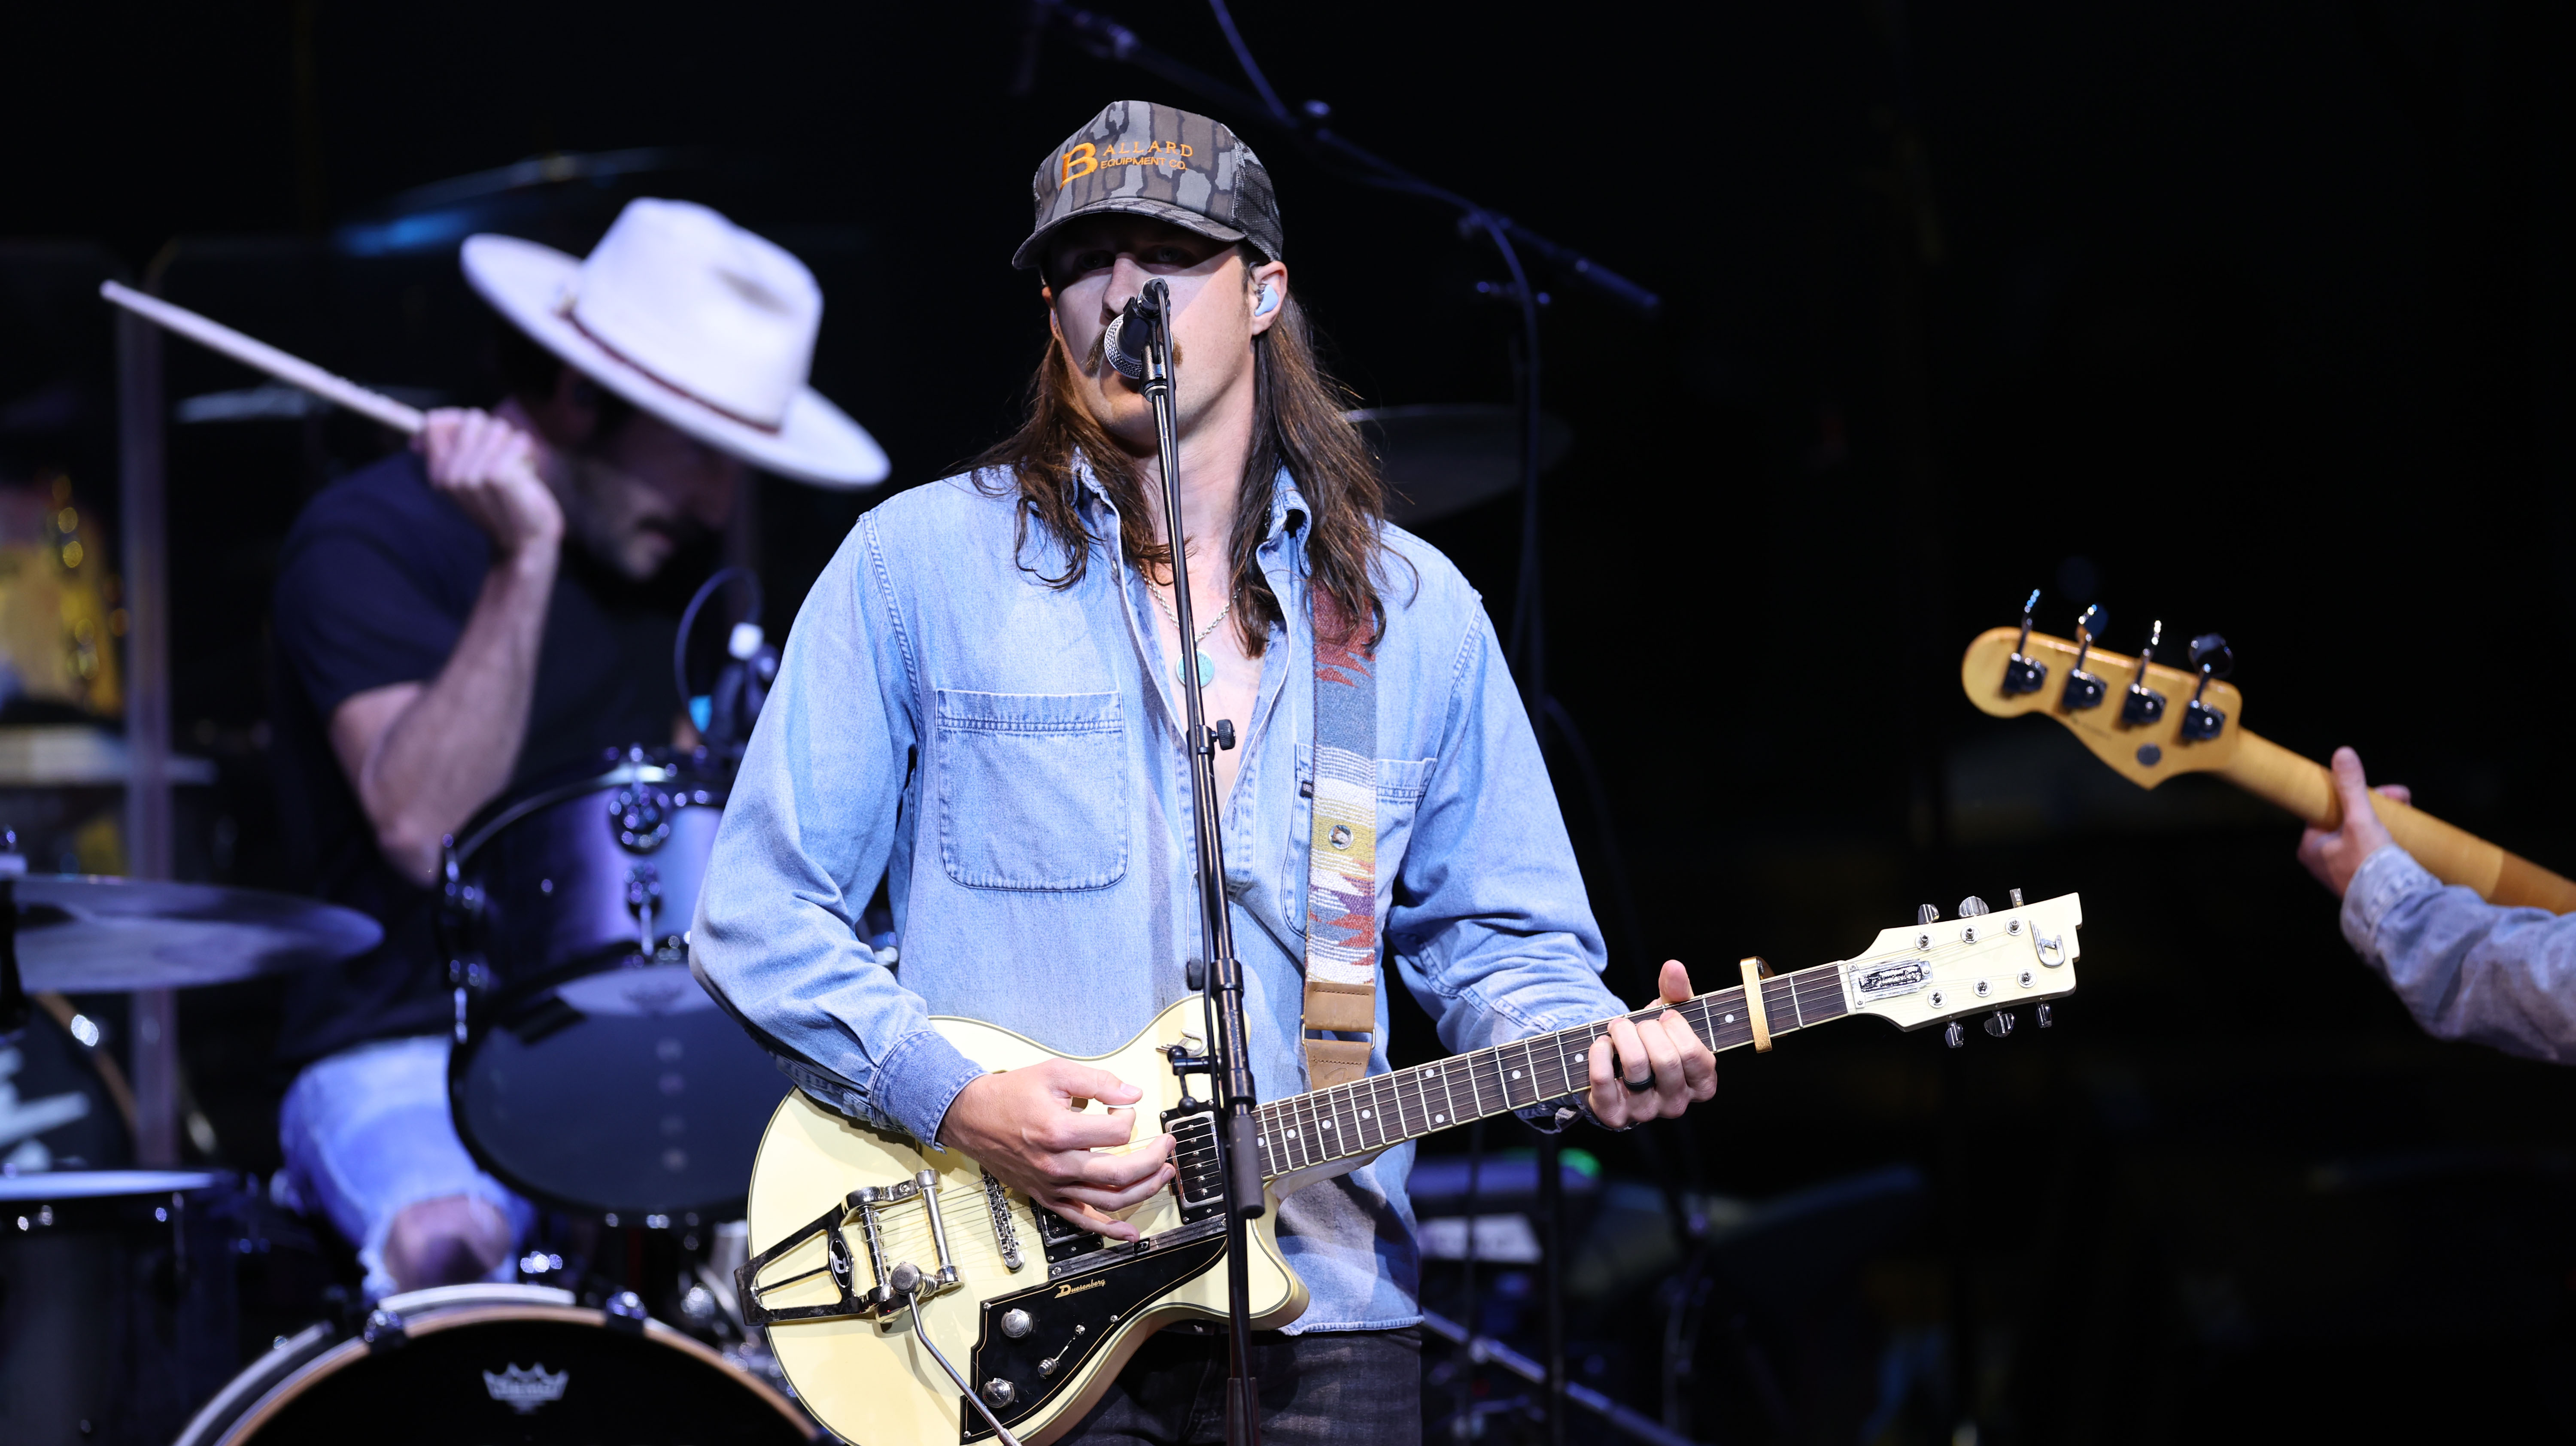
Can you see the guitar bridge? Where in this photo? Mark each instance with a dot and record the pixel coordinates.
(872, 1208)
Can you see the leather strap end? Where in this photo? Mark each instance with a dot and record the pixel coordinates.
(1330, 1062)
(1342, 1008)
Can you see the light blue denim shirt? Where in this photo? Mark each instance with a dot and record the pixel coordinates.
(2467, 969)
(1009, 756)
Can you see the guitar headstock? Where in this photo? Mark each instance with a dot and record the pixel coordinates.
(2149, 725)
(1946, 969)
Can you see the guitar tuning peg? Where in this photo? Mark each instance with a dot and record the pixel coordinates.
(2214, 659)
(2021, 673)
(2144, 705)
(1926, 914)
(2045, 1019)
(2015, 896)
(1970, 907)
(1999, 1023)
(1954, 1036)
(2083, 689)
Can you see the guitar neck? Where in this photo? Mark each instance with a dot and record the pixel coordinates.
(2453, 855)
(1367, 1115)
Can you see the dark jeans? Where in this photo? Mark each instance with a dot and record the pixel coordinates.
(1346, 1388)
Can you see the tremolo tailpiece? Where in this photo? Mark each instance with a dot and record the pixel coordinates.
(868, 1206)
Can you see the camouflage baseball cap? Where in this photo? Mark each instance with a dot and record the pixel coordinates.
(1152, 160)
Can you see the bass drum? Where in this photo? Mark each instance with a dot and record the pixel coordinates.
(598, 1076)
(497, 1363)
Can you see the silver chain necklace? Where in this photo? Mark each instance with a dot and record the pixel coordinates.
(1207, 665)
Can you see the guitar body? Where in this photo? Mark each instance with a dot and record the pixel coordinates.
(874, 1259)
(870, 1381)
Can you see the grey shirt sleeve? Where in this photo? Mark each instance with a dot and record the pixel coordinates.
(2467, 969)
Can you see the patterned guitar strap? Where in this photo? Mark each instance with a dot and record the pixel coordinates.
(1341, 879)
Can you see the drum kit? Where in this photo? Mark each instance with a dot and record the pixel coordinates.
(591, 1073)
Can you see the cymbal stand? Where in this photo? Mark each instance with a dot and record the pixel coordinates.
(1228, 1039)
(13, 991)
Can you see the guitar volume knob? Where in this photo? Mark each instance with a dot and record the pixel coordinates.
(1000, 1392)
(1016, 1323)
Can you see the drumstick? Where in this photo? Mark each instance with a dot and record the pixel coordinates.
(292, 370)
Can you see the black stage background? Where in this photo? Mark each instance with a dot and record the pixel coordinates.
(2258, 319)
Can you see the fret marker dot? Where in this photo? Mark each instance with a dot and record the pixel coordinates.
(1328, 1124)
(1730, 1019)
(1364, 1114)
(1436, 1119)
(1292, 1132)
(1516, 1074)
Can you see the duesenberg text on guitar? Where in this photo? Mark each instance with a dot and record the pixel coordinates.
(892, 1279)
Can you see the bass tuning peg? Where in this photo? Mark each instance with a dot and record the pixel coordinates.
(2211, 656)
(2022, 673)
(2083, 689)
(2144, 705)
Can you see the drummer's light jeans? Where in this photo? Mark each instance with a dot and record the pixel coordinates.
(367, 1133)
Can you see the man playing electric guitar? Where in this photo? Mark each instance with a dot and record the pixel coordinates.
(979, 703)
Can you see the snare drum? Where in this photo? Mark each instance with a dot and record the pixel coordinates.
(597, 1076)
(520, 1363)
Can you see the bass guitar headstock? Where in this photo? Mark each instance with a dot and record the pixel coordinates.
(1985, 961)
(2144, 718)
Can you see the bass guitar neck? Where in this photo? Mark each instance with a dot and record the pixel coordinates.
(2150, 722)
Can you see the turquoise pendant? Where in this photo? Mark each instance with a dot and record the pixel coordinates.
(1207, 671)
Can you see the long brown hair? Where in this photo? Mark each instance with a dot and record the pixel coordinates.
(1297, 422)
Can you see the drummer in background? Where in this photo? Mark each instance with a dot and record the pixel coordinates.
(496, 605)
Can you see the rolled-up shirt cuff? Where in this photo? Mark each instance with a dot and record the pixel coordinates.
(2384, 880)
(918, 1081)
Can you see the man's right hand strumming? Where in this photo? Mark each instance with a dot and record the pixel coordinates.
(487, 466)
(1028, 1127)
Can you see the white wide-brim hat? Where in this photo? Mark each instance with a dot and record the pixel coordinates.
(693, 319)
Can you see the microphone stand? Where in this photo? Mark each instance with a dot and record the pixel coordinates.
(1107, 39)
(1228, 1039)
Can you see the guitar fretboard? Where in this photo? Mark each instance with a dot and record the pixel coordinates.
(1387, 1109)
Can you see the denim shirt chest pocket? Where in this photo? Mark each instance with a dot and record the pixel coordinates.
(1401, 783)
(1032, 789)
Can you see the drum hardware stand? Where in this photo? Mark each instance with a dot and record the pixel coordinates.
(1227, 1035)
(13, 994)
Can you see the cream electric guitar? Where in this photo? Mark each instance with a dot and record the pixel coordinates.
(892, 1280)
(2122, 709)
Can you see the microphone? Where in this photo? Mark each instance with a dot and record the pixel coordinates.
(1123, 345)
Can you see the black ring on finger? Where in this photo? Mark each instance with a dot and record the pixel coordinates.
(1638, 1086)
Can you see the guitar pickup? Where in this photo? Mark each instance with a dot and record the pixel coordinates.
(868, 1207)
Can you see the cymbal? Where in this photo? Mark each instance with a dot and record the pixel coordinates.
(1444, 458)
(83, 934)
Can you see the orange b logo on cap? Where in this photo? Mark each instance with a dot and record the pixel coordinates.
(1082, 156)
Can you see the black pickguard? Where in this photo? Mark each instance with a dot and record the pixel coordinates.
(1098, 1301)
